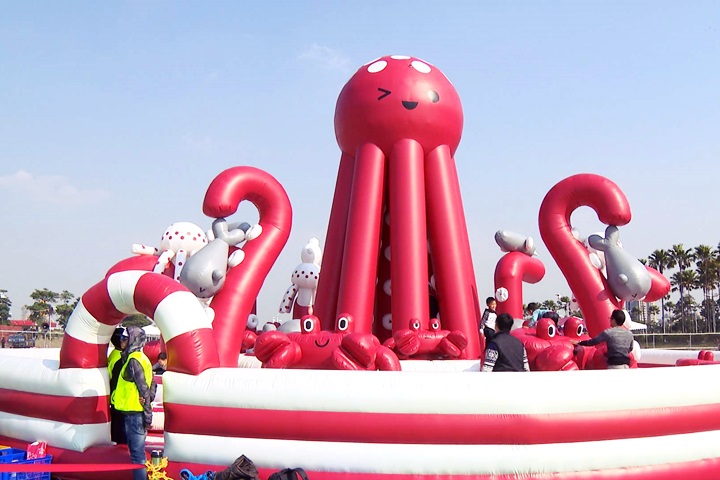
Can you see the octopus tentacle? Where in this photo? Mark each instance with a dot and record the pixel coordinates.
(362, 238)
(329, 282)
(454, 273)
(408, 233)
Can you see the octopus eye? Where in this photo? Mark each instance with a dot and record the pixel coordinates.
(419, 66)
(415, 324)
(378, 66)
(342, 324)
(385, 93)
(435, 325)
(580, 330)
(433, 96)
(308, 325)
(551, 331)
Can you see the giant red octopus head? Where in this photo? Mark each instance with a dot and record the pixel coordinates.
(398, 97)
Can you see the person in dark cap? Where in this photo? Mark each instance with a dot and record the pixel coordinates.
(133, 397)
(119, 341)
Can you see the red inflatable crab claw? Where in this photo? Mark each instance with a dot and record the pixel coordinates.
(360, 351)
(275, 350)
(452, 344)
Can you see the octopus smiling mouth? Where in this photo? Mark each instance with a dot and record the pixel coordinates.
(327, 340)
(409, 105)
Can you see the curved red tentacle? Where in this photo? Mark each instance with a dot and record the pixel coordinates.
(587, 283)
(511, 271)
(235, 300)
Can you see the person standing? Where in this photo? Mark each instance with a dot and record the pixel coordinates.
(133, 397)
(504, 352)
(619, 341)
(487, 323)
(119, 341)
(3, 341)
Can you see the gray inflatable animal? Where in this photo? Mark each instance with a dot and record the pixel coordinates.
(514, 242)
(627, 277)
(204, 273)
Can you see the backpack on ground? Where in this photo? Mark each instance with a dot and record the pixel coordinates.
(289, 474)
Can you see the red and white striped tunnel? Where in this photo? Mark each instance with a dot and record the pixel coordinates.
(182, 320)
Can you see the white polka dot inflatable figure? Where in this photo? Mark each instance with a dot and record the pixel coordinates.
(179, 241)
(304, 282)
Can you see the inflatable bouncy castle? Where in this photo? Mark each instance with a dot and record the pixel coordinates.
(382, 381)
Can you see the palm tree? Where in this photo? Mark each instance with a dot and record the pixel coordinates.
(671, 307)
(684, 281)
(565, 305)
(682, 258)
(653, 310)
(660, 260)
(549, 305)
(707, 275)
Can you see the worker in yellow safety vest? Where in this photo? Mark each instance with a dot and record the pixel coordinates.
(133, 397)
(119, 341)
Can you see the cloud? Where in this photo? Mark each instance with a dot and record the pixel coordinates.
(326, 57)
(49, 189)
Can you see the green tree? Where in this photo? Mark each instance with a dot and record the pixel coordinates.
(549, 305)
(660, 260)
(706, 268)
(65, 309)
(5, 305)
(564, 305)
(683, 259)
(653, 310)
(136, 320)
(43, 308)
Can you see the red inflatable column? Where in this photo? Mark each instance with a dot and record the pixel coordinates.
(408, 235)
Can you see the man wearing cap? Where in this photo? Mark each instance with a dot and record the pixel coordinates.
(133, 397)
(119, 340)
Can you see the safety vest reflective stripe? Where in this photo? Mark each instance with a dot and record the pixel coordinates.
(126, 397)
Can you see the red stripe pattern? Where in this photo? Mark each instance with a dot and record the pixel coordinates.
(470, 429)
(75, 410)
(93, 355)
(703, 469)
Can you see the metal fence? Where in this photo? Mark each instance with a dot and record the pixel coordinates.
(679, 341)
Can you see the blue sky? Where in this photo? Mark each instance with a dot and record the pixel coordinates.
(115, 117)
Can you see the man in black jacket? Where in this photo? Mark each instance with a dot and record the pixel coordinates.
(505, 353)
